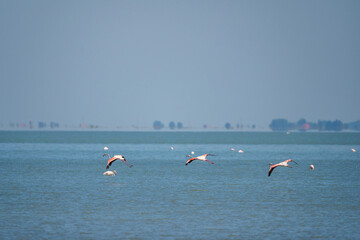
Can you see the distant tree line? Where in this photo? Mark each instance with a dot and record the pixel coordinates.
(283, 124)
(31, 125)
(228, 126)
(172, 125)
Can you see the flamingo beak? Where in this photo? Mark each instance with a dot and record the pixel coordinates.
(294, 162)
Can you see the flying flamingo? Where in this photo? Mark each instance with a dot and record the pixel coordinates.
(110, 173)
(114, 158)
(201, 158)
(281, 164)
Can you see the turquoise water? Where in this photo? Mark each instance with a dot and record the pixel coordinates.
(52, 186)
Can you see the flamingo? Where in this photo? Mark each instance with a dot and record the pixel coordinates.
(114, 158)
(201, 158)
(110, 173)
(281, 164)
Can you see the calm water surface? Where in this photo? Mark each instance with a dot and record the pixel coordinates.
(52, 186)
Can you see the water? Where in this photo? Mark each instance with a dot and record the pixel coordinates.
(52, 186)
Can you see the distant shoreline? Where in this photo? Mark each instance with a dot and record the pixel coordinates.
(168, 130)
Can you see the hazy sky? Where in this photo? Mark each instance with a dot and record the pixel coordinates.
(119, 63)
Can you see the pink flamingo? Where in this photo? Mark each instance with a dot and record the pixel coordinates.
(281, 164)
(114, 158)
(200, 158)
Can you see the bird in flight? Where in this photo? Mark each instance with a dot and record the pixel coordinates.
(200, 158)
(114, 158)
(281, 164)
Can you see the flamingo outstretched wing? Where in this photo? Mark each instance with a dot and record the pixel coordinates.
(110, 161)
(189, 161)
(272, 169)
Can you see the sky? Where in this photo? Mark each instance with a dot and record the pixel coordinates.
(124, 63)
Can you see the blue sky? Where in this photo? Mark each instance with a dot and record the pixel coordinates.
(119, 63)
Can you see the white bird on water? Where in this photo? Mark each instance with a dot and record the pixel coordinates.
(110, 173)
(312, 167)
